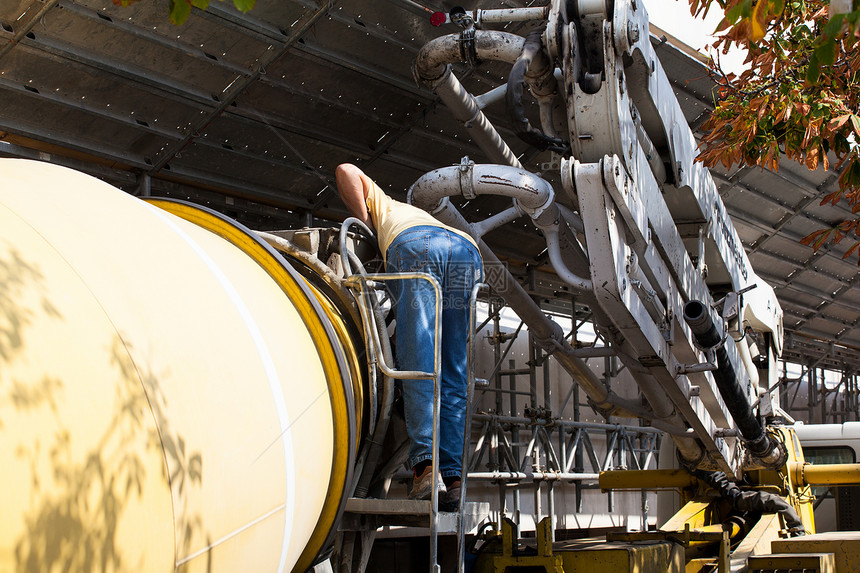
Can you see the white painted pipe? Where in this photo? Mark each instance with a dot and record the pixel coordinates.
(530, 192)
(434, 57)
(432, 68)
(555, 258)
(497, 220)
(492, 96)
(505, 15)
(746, 358)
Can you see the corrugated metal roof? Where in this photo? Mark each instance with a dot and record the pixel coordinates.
(250, 113)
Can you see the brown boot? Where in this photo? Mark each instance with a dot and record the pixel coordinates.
(422, 486)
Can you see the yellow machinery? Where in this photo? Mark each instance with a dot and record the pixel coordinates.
(766, 524)
(174, 395)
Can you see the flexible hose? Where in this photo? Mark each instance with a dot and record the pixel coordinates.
(706, 334)
(514, 98)
(758, 501)
(369, 459)
(375, 449)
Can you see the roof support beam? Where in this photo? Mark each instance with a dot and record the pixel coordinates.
(233, 91)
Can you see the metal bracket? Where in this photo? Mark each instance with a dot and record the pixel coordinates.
(467, 189)
(468, 50)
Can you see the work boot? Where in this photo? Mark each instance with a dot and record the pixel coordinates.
(450, 500)
(422, 485)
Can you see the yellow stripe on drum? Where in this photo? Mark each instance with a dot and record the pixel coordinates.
(339, 371)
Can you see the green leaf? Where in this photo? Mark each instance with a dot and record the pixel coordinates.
(813, 71)
(244, 5)
(179, 11)
(735, 13)
(834, 25)
(826, 51)
(202, 4)
(855, 123)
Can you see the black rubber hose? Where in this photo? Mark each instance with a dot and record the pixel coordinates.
(706, 334)
(757, 501)
(514, 98)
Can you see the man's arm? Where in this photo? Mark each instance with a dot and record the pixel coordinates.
(353, 186)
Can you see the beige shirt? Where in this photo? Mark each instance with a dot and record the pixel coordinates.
(392, 217)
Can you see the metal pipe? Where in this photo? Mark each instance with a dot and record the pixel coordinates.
(292, 250)
(362, 282)
(572, 218)
(746, 358)
(505, 15)
(535, 476)
(432, 68)
(762, 446)
(566, 424)
(435, 56)
(491, 97)
(374, 449)
(464, 109)
(497, 220)
(344, 252)
(826, 474)
(555, 258)
(531, 193)
(470, 393)
(647, 479)
(26, 29)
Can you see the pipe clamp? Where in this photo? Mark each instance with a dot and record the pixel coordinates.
(467, 188)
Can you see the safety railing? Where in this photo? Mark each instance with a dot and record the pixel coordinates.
(363, 284)
(470, 396)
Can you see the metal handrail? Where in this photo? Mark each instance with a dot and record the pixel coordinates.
(470, 395)
(362, 283)
(344, 250)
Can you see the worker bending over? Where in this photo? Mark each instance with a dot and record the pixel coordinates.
(411, 240)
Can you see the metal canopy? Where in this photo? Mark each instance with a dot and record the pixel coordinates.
(250, 113)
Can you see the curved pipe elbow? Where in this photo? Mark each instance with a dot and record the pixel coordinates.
(435, 56)
(555, 258)
(531, 193)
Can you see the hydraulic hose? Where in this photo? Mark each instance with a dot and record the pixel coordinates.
(369, 459)
(757, 501)
(706, 334)
(514, 98)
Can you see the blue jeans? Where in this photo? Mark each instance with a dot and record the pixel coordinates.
(456, 264)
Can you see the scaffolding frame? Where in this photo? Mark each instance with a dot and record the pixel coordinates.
(522, 444)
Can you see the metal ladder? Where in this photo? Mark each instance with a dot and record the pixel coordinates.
(378, 512)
